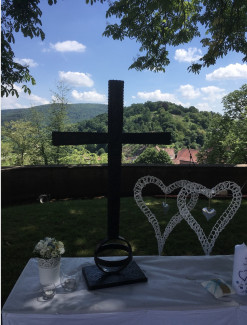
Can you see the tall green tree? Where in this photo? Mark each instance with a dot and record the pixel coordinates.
(213, 150)
(221, 26)
(235, 104)
(226, 139)
(41, 137)
(59, 119)
(235, 108)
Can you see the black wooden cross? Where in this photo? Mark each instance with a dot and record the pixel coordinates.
(115, 138)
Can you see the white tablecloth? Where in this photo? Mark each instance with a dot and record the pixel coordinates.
(173, 295)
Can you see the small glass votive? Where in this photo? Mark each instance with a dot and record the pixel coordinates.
(48, 291)
(69, 281)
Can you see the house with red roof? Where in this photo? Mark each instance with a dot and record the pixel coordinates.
(186, 156)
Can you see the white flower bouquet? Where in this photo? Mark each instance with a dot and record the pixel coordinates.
(48, 248)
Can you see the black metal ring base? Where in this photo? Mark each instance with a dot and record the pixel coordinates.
(109, 266)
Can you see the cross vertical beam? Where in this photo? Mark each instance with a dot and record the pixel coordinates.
(115, 127)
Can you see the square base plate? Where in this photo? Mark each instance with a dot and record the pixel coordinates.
(97, 279)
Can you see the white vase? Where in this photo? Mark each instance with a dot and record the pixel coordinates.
(49, 270)
(239, 275)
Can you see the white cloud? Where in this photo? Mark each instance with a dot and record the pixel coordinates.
(29, 62)
(68, 46)
(213, 93)
(10, 102)
(209, 94)
(192, 54)
(77, 79)
(231, 71)
(189, 91)
(89, 96)
(158, 95)
(24, 100)
(204, 107)
(37, 100)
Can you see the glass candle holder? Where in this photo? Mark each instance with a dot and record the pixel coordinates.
(48, 291)
(69, 281)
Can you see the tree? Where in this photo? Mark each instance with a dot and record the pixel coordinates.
(226, 139)
(79, 155)
(18, 16)
(8, 156)
(41, 136)
(213, 150)
(59, 118)
(152, 156)
(235, 109)
(58, 113)
(20, 136)
(158, 24)
(235, 104)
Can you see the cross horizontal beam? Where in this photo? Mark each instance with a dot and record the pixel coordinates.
(77, 138)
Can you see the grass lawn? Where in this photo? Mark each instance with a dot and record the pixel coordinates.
(81, 224)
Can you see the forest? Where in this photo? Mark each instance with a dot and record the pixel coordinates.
(26, 139)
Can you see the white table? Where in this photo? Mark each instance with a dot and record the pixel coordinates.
(173, 295)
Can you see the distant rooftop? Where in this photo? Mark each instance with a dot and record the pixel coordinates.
(184, 156)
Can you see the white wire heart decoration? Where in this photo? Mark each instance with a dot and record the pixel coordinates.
(146, 180)
(184, 209)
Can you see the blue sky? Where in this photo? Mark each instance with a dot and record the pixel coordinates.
(75, 52)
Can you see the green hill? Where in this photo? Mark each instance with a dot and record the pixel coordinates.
(187, 125)
(76, 112)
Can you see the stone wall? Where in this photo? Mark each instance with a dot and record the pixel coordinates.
(24, 184)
